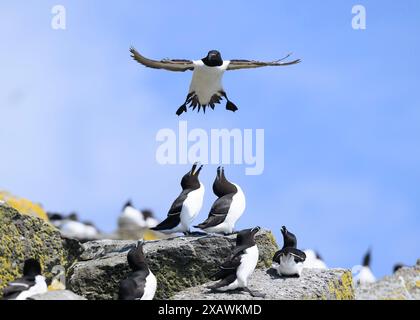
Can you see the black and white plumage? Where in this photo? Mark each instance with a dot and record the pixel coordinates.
(313, 260)
(227, 209)
(186, 206)
(235, 272)
(289, 258)
(31, 283)
(364, 274)
(206, 89)
(132, 217)
(71, 227)
(141, 284)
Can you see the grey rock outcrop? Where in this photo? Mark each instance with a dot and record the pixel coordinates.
(314, 284)
(178, 263)
(403, 285)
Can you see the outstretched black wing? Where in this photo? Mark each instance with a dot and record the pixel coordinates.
(167, 64)
(248, 64)
(297, 254)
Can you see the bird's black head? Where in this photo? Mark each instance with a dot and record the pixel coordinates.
(289, 239)
(32, 268)
(128, 204)
(247, 237)
(147, 214)
(367, 258)
(221, 185)
(398, 266)
(136, 259)
(55, 216)
(190, 179)
(73, 216)
(213, 59)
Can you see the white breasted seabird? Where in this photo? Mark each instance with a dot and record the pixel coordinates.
(235, 272)
(141, 284)
(206, 89)
(313, 260)
(227, 209)
(32, 283)
(131, 216)
(289, 258)
(71, 227)
(365, 274)
(186, 207)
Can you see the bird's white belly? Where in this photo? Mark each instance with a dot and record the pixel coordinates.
(249, 261)
(206, 81)
(364, 276)
(192, 206)
(288, 266)
(40, 287)
(150, 287)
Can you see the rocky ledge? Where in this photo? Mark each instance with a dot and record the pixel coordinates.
(314, 284)
(402, 285)
(178, 263)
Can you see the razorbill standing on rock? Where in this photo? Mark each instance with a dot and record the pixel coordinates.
(141, 284)
(186, 207)
(131, 216)
(206, 87)
(30, 284)
(289, 258)
(227, 209)
(313, 260)
(365, 274)
(235, 272)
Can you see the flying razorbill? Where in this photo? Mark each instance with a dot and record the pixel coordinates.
(141, 284)
(289, 258)
(32, 283)
(206, 87)
(186, 207)
(227, 209)
(235, 272)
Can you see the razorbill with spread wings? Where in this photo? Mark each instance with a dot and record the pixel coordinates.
(289, 258)
(206, 89)
(227, 209)
(235, 272)
(32, 283)
(365, 274)
(313, 260)
(141, 284)
(187, 206)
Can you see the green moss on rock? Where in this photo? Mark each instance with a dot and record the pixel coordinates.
(23, 237)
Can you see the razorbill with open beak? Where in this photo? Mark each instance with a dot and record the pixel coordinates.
(365, 274)
(313, 260)
(206, 89)
(235, 272)
(141, 284)
(227, 209)
(187, 206)
(32, 283)
(289, 258)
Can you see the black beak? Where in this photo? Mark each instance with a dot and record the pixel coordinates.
(193, 170)
(255, 230)
(283, 230)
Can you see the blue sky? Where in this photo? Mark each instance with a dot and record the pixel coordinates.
(342, 156)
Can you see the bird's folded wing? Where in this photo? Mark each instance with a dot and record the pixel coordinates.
(167, 64)
(248, 64)
(176, 207)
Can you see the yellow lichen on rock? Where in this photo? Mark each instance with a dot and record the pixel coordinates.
(24, 206)
(343, 289)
